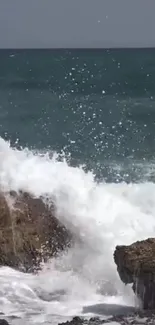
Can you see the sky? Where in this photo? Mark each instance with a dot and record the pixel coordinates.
(77, 23)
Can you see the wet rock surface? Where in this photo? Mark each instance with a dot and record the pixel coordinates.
(133, 319)
(29, 231)
(136, 264)
(3, 322)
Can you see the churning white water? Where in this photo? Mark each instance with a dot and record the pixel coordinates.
(100, 216)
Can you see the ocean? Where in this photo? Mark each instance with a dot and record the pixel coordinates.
(79, 126)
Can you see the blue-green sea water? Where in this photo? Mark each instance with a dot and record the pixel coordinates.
(78, 127)
(98, 106)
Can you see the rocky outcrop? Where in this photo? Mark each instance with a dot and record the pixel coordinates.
(136, 264)
(137, 318)
(29, 231)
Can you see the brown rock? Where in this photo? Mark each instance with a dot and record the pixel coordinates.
(136, 264)
(29, 231)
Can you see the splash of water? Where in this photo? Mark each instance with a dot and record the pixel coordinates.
(100, 215)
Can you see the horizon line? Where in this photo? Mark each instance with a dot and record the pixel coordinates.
(77, 48)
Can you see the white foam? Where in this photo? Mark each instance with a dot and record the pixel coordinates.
(100, 215)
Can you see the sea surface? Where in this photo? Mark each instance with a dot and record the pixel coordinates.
(79, 126)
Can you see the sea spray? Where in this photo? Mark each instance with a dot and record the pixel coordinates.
(100, 216)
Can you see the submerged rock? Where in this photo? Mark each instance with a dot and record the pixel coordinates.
(136, 264)
(29, 231)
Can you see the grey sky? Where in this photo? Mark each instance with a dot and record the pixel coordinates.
(76, 23)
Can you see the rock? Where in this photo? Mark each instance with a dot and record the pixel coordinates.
(134, 319)
(136, 264)
(3, 322)
(29, 231)
(75, 321)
